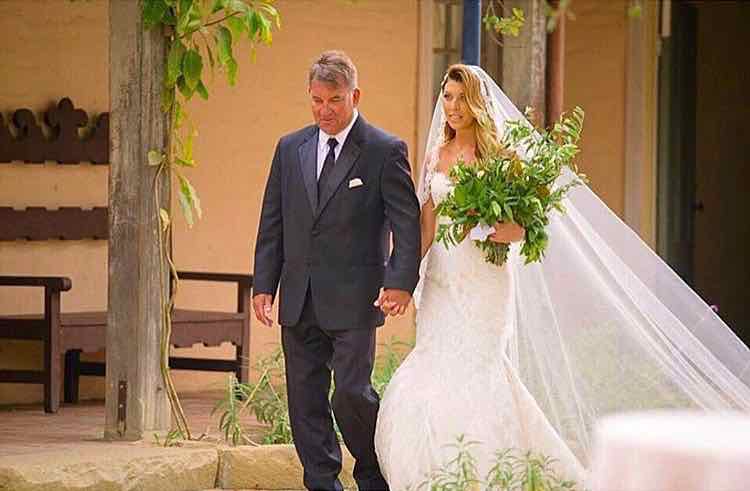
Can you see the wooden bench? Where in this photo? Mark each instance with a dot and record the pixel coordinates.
(70, 334)
(73, 333)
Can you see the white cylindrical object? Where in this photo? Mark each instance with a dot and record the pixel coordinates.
(672, 451)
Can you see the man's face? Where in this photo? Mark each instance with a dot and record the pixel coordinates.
(332, 105)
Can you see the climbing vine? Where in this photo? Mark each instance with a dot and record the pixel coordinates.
(202, 37)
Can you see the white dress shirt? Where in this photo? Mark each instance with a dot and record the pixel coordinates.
(340, 137)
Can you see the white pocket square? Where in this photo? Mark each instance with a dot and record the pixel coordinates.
(356, 182)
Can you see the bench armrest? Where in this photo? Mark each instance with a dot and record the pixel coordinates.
(55, 283)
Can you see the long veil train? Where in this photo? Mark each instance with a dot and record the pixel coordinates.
(603, 324)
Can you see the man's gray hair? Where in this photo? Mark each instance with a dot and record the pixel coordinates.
(334, 67)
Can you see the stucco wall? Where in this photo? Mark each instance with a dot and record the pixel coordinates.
(595, 80)
(55, 48)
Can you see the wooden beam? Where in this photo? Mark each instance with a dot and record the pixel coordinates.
(641, 92)
(524, 59)
(425, 89)
(137, 125)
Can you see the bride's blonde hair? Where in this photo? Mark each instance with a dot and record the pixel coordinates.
(485, 132)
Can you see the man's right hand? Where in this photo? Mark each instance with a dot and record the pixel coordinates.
(262, 303)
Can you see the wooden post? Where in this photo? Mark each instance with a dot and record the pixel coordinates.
(52, 361)
(556, 67)
(136, 400)
(524, 59)
(641, 89)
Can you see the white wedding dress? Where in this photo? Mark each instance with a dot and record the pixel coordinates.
(459, 380)
(529, 357)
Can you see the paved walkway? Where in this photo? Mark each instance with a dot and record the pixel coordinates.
(28, 429)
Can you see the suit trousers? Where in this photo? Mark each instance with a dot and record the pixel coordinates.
(311, 353)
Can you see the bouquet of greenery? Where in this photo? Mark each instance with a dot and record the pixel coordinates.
(508, 187)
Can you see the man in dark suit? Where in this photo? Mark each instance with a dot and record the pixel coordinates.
(335, 191)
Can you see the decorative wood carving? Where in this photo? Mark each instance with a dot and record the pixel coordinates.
(37, 223)
(63, 145)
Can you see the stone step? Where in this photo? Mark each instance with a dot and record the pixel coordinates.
(268, 467)
(111, 467)
(103, 466)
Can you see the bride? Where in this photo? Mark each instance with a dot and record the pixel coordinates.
(527, 357)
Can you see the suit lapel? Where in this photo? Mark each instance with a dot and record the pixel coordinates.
(345, 162)
(308, 161)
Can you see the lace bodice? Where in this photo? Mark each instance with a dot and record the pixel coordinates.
(440, 186)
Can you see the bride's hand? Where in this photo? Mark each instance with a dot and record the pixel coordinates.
(507, 232)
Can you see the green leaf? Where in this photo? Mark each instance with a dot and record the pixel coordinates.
(189, 200)
(153, 12)
(232, 71)
(237, 26)
(187, 210)
(192, 66)
(508, 212)
(174, 63)
(210, 54)
(186, 6)
(224, 43)
(184, 163)
(165, 221)
(273, 13)
(194, 24)
(186, 91)
(254, 24)
(265, 30)
(155, 158)
(218, 5)
(179, 115)
(238, 6)
(202, 91)
(188, 147)
(496, 209)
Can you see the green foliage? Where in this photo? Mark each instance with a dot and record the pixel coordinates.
(508, 187)
(505, 26)
(458, 474)
(512, 471)
(498, 25)
(392, 354)
(202, 38)
(231, 409)
(266, 397)
(171, 439)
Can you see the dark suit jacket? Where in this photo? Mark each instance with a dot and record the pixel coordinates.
(337, 244)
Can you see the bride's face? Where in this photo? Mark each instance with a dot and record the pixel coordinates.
(455, 107)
